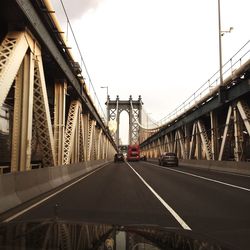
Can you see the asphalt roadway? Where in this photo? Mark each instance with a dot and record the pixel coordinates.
(212, 203)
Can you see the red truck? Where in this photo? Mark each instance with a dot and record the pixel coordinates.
(133, 153)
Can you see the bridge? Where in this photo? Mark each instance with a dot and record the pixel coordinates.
(57, 148)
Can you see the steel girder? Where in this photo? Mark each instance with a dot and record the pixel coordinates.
(12, 51)
(21, 63)
(70, 132)
(22, 118)
(205, 140)
(44, 34)
(224, 137)
(42, 114)
(214, 134)
(245, 114)
(233, 93)
(202, 140)
(90, 138)
(59, 120)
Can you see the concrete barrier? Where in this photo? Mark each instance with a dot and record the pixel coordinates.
(17, 188)
(8, 196)
(225, 166)
(26, 185)
(42, 177)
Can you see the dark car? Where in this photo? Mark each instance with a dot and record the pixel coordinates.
(118, 157)
(168, 159)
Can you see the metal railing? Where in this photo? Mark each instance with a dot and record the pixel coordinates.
(234, 63)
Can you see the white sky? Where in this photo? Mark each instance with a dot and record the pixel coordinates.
(160, 49)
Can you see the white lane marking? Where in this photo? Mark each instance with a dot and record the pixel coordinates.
(176, 216)
(50, 196)
(204, 178)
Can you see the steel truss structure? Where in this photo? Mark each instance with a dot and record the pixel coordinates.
(48, 126)
(134, 110)
(212, 130)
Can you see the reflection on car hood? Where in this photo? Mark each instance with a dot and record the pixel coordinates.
(56, 234)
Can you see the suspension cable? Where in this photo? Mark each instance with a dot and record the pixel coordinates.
(80, 53)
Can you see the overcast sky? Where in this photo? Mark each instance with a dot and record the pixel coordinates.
(160, 49)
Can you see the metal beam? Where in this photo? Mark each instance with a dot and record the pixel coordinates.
(44, 35)
(225, 132)
(70, 130)
(12, 51)
(42, 116)
(205, 141)
(240, 89)
(22, 120)
(59, 119)
(245, 114)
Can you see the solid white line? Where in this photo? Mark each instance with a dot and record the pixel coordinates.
(204, 178)
(50, 196)
(176, 216)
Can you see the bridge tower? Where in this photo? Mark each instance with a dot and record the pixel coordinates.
(134, 110)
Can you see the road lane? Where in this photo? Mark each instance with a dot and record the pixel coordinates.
(231, 178)
(112, 195)
(208, 207)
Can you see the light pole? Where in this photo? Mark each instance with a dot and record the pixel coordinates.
(221, 33)
(220, 49)
(107, 88)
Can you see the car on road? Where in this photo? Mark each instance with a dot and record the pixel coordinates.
(118, 157)
(168, 159)
(143, 157)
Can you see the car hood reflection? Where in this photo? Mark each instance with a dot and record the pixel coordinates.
(57, 234)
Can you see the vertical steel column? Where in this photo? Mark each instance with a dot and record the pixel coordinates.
(90, 139)
(76, 145)
(193, 141)
(182, 144)
(99, 141)
(168, 144)
(82, 139)
(187, 139)
(205, 140)
(118, 127)
(237, 136)
(72, 123)
(42, 116)
(86, 136)
(59, 120)
(245, 114)
(198, 144)
(214, 135)
(130, 114)
(22, 120)
(225, 133)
